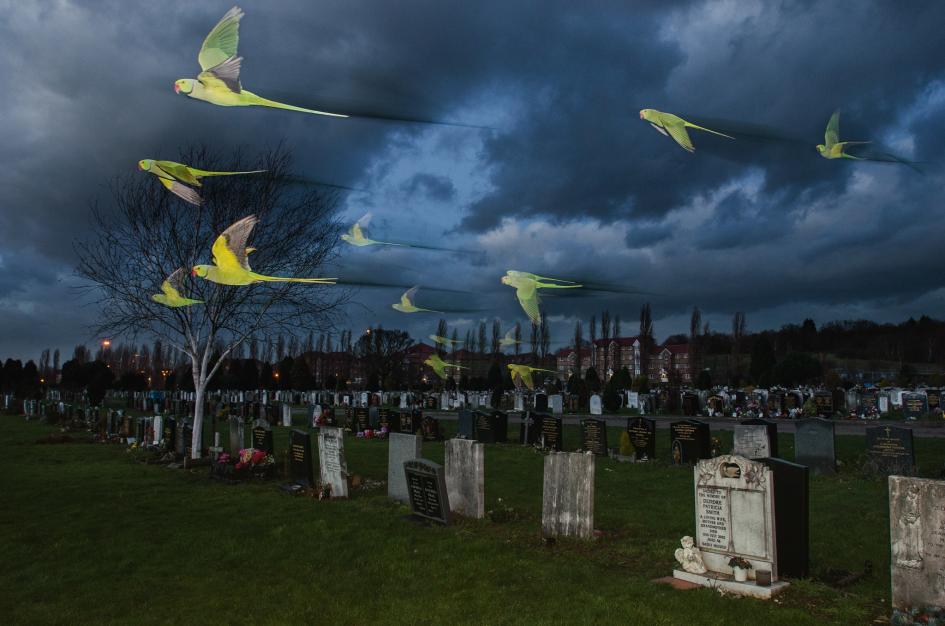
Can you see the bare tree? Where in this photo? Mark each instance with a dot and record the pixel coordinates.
(646, 337)
(441, 330)
(533, 340)
(605, 335)
(149, 233)
(739, 324)
(695, 326)
(496, 335)
(517, 335)
(578, 342)
(482, 337)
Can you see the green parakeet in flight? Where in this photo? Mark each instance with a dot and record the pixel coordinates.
(524, 373)
(833, 148)
(231, 260)
(526, 290)
(172, 175)
(356, 237)
(219, 82)
(443, 341)
(675, 127)
(406, 304)
(171, 290)
(509, 339)
(439, 366)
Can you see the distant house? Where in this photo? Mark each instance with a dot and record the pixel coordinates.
(604, 355)
(669, 358)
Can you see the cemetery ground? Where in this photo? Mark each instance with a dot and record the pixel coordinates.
(90, 535)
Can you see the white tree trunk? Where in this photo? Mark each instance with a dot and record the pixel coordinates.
(196, 441)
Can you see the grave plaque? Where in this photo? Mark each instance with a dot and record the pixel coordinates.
(815, 445)
(426, 487)
(401, 448)
(594, 436)
(772, 432)
(465, 473)
(262, 437)
(824, 403)
(914, 405)
(388, 419)
(934, 398)
(867, 402)
(735, 512)
(362, 419)
(568, 495)
(409, 422)
(300, 458)
(374, 416)
(529, 429)
(552, 432)
(492, 427)
(333, 469)
(237, 435)
(465, 425)
(431, 429)
(716, 404)
(791, 517)
(917, 538)
(889, 450)
(642, 433)
(596, 407)
(689, 440)
(751, 441)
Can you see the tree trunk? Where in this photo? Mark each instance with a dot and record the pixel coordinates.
(196, 442)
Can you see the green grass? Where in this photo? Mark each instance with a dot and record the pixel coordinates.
(89, 535)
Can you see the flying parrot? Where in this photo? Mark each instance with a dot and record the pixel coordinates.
(231, 260)
(439, 366)
(443, 341)
(219, 81)
(406, 304)
(171, 290)
(833, 148)
(356, 237)
(509, 339)
(172, 175)
(526, 289)
(524, 373)
(675, 127)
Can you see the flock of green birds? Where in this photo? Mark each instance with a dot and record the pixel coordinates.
(219, 83)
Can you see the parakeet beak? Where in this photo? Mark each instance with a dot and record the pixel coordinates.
(193, 271)
(641, 115)
(176, 88)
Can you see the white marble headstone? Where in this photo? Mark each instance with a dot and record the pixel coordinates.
(465, 476)
(596, 408)
(917, 537)
(333, 469)
(556, 404)
(751, 441)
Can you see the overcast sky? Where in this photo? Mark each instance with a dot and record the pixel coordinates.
(566, 179)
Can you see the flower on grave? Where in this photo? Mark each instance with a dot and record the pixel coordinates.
(384, 430)
(739, 562)
(369, 434)
(360, 434)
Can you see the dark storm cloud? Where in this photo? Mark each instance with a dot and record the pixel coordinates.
(566, 179)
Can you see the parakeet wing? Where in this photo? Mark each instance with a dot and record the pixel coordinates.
(227, 73)
(832, 134)
(222, 41)
(229, 250)
(528, 298)
(178, 171)
(182, 191)
(364, 221)
(174, 284)
(677, 130)
(408, 296)
(356, 231)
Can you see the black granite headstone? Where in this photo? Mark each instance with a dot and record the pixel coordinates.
(262, 437)
(791, 517)
(776, 402)
(465, 425)
(300, 458)
(889, 450)
(642, 433)
(529, 429)
(374, 417)
(867, 402)
(690, 404)
(431, 429)
(491, 427)
(541, 403)
(426, 487)
(934, 397)
(815, 445)
(824, 402)
(389, 420)
(594, 436)
(914, 405)
(362, 419)
(409, 422)
(772, 432)
(551, 432)
(170, 434)
(690, 441)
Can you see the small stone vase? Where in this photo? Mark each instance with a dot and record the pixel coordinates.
(741, 575)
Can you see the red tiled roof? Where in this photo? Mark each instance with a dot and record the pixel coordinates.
(677, 348)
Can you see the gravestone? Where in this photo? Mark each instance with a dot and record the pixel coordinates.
(815, 445)
(465, 424)
(426, 487)
(401, 448)
(541, 403)
(409, 422)
(596, 407)
(465, 473)
(791, 517)
(519, 402)
(237, 435)
(867, 402)
(388, 419)
(262, 436)
(690, 404)
(300, 459)
(315, 413)
(917, 538)
(157, 428)
(170, 434)
(362, 420)
(492, 427)
(551, 431)
(594, 436)
(824, 403)
(751, 441)
(568, 495)
(689, 441)
(332, 467)
(556, 402)
(934, 398)
(187, 437)
(914, 405)
(431, 429)
(528, 430)
(374, 417)
(889, 450)
(642, 433)
(735, 516)
(772, 432)
(286, 415)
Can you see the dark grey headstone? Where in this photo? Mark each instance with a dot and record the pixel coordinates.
(824, 402)
(815, 445)
(409, 422)
(594, 436)
(541, 403)
(689, 441)
(465, 425)
(237, 435)
(642, 433)
(431, 429)
(491, 427)
(401, 448)
(426, 487)
(791, 517)
(262, 437)
(300, 459)
(914, 405)
(889, 450)
(772, 432)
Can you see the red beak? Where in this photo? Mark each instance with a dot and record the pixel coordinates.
(193, 271)
(176, 88)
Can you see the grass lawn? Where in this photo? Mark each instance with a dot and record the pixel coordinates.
(89, 535)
